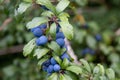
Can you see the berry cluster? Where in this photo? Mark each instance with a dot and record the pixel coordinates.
(39, 33)
(50, 65)
(88, 50)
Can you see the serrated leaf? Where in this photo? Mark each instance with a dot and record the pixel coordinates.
(65, 63)
(91, 41)
(28, 48)
(47, 4)
(110, 73)
(40, 52)
(86, 65)
(22, 8)
(53, 30)
(67, 29)
(47, 13)
(36, 22)
(74, 69)
(62, 5)
(55, 47)
(41, 61)
(54, 76)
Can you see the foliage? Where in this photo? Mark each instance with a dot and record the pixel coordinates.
(96, 38)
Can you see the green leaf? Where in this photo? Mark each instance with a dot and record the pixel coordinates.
(67, 29)
(105, 49)
(22, 8)
(81, 2)
(91, 41)
(55, 47)
(110, 73)
(28, 1)
(40, 52)
(62, 77)
(80, 35)
(75, 69)
(86, 65)
(63, 17)
(68, 77)
(99, 69)
(53, 30)
(36, 22)
(96, 70)
(62, 5)
(102, 71)
(57, 58)
(54, 76)
(41, 61)
(47, 4)
(47, 13)
(28, 48)
(65, 63)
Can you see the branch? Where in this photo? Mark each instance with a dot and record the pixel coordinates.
(5, 23)
(11, 50)
(118, 32)
(71, 52)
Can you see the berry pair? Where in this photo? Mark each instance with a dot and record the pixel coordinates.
(60, 37)
(39, 33)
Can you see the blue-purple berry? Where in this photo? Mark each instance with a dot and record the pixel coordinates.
(60, 42)
(37, 32)
(56, 67)
(53, 61)
(65, 55)
(60, 35)
(50, 69)
(41, 41)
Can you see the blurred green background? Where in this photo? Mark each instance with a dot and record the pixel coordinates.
(96, 31)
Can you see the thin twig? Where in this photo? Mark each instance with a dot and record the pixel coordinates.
(71, 52)
(5, 23)
(118, 32)
(11, 50)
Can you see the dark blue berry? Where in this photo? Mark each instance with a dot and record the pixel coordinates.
(43, 26)
(37, 32)
(85, 51)
(56, 67)
(92, 52)
(50, 69)
(53, 61)
(44, 68)
(85, 26)
(64, 55)
(34, 28)
(60, 42)
(88, 50)
(46, 63)
(58, 29)
(98, 37)
(60, 35)
(41, 41)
